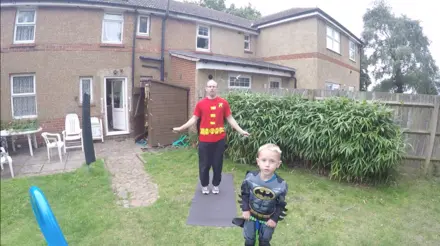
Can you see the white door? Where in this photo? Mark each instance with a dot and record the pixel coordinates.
(118, 105)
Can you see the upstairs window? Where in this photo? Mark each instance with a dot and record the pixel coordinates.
(352, 51)
(25, 26)
(247, 42)
(333, 40)
(143, 25)
(203, 38)
(112, 26)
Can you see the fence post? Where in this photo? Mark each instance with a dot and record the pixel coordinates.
(433, 131)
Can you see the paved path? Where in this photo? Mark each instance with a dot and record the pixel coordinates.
(130, 182)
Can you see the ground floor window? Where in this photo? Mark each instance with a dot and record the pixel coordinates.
(240, 81)
(23, 96)
(332, 86)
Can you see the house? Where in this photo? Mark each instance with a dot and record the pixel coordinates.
(54, 51)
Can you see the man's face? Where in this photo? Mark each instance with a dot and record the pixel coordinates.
(211, 88)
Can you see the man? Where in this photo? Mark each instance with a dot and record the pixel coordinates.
(211, 110)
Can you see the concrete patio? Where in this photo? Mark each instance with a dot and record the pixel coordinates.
(24, 164)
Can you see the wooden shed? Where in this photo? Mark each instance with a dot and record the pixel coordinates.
(164, 106)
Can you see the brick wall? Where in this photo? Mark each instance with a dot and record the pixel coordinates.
(183, 73)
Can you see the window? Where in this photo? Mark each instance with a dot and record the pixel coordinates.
(112, 28)
(85, 86)
(332, 86)
(352, 51)
(274, 83)
(239, 81)
(247, 42)
(23, 96)
(143, 26)
(203, 38)
(25, 26)
(333, 40)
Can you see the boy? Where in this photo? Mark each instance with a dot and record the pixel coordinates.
(263, 196)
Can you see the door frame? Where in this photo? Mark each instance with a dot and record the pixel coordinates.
(125, 101)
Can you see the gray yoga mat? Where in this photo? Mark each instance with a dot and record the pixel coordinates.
(214, 209)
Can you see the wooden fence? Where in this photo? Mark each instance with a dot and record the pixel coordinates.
(417, 115)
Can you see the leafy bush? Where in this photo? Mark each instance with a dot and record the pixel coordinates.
(355, 141)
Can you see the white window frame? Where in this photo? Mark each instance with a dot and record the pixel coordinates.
(81, 91)
(148, 25)
(103, 26)
(25, 24)
(248, 42)
(333, 85)
(34, 93)
(235, 75)
(352, 50)
(208, 37)
(277, 80)
(333, 38)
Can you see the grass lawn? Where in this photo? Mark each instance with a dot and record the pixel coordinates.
(321, 212)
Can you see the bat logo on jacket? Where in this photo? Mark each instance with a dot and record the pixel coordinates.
(263, 193)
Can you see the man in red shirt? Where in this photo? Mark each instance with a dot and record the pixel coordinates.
(211, 110)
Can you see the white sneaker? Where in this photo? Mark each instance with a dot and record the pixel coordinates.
(205, 190)
(215, 190)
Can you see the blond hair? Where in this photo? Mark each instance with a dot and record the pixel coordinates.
(271, 147)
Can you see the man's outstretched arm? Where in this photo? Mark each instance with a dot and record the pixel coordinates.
(188, 124)
(235, 125)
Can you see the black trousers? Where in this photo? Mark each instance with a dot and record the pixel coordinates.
(211, 155)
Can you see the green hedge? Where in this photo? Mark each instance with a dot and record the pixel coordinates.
(355, 141)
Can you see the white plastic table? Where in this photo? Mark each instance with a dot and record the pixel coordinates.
(5, 133)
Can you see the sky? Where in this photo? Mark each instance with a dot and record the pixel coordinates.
(349, 13)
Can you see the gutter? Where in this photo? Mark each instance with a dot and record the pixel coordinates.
(162, 45)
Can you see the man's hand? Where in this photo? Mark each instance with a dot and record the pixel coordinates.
(246, 215)
(177, 129)
(245, 133)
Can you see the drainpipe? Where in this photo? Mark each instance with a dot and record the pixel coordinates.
(133, 51)
(162, 66)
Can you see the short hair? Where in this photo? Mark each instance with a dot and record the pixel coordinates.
(210, 77)
(271, 147)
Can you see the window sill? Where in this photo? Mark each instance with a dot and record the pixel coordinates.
(354, 61)
(112, 45)
(143, 37)
(204, 52)
(335, 52)
(248, 52)
(23, 45)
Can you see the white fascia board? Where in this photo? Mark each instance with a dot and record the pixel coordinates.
(243, 69)
(185, 57)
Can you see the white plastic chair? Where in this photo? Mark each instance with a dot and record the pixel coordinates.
(53, 140)
(5, 158)
(72, 132)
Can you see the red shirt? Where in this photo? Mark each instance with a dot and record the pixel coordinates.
(212, 113)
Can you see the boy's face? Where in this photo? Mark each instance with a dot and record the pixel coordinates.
(268, 161)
